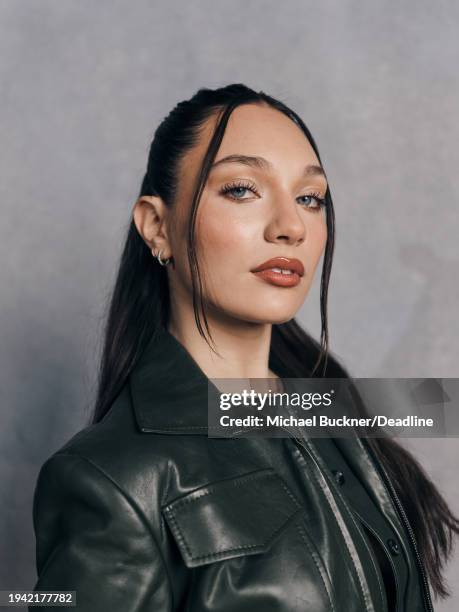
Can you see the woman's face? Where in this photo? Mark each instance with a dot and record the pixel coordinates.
(249, 214)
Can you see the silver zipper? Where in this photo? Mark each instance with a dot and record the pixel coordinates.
(393, 494)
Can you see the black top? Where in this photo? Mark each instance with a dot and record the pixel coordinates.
(380, 536)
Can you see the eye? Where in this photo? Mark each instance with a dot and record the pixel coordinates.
(320, 202)
(236, 188)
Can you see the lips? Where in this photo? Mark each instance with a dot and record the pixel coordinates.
(280, 271)
(284, 263)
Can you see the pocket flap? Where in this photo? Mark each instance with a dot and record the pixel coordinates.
(232, 517)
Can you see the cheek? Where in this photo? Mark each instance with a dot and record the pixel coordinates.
(224, 239)
(226, 245)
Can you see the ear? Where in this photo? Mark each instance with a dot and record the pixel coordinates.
(150, 218)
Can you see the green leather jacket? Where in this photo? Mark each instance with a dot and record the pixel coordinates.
(143, 512)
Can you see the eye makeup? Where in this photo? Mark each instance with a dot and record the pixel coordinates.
(231, 189)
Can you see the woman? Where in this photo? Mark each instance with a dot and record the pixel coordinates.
(144, 511)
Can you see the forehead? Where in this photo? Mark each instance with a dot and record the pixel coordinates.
(258, 129)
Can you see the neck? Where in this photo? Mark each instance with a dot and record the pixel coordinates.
(243, 347)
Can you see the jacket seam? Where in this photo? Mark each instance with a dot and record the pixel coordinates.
(315, 557)
(143, 519)
(397, 585)
(162, 522)
(219, 553)
(237, 481)
(350, 512)
(205, 488)
(365, 599)
(371, 554)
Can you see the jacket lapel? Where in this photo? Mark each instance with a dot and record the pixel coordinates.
(169, 390)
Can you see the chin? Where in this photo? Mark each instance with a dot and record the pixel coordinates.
(265, 315)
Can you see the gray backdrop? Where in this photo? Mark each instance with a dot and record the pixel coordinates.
(83, 86)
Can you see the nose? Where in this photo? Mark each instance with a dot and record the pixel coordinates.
(286, 224)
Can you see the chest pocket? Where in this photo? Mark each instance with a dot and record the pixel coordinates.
(230, 518)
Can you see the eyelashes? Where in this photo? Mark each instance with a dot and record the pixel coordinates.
(229, 189)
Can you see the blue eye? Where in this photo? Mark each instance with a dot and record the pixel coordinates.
(234, 189)
(315, 196)
(231, 188)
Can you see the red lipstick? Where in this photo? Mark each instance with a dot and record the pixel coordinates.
(272, 271)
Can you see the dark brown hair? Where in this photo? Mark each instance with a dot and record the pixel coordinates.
(140, 304)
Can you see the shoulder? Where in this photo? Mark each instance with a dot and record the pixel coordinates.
(111, 454)
(116, 452)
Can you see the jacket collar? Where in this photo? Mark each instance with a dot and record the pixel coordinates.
(169, 390)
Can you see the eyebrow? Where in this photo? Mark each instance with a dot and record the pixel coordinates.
(254, 161)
